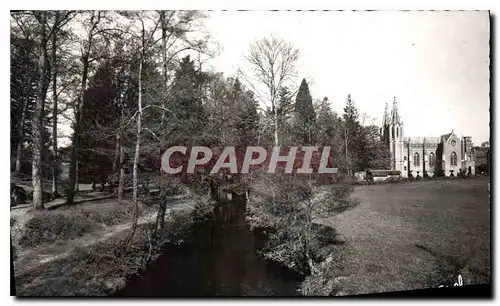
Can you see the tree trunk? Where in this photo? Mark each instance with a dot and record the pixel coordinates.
(164, 57)
(77, 188)
(121, 179)
(76, 133)
(19, 149)
(409, 171)
(78, 114)
(346, 152)
(21, 131)
(38, 116)
(164, 48)
(276, 142)
(275, 118)
(116, 162)
(423, 159)
(136, 156)
(160, 215)
(121, 153)
(121, 157)
(55, 161)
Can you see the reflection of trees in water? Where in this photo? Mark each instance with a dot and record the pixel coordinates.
(220, 259)
(237, 269)
(228, 249)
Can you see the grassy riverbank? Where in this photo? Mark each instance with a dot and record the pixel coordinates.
(81, 250)
(413, 236)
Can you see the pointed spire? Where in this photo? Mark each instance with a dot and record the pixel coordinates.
(386, 119)
(394, 113)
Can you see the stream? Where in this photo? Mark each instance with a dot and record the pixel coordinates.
(220, 260)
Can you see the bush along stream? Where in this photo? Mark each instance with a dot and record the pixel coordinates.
(219, 257)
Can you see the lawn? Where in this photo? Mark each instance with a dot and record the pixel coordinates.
(414, 235)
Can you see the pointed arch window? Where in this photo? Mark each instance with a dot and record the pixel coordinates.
(397, 132)
(416, 160)
(432, 159)
(453, 159)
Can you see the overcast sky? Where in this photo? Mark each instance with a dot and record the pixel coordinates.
(435, 63)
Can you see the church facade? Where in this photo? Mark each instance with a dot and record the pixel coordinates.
(425, 156)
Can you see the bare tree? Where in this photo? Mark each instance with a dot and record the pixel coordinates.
(23, 25)
(119, 169)
(175, 39)
(55, 161)
(42, 86)
(61, 18)
(24, 106)
(273, 63)
(92, 32)
(121, 176)
(174, 27)
(26, 30)
(138, 135)
(146, 39)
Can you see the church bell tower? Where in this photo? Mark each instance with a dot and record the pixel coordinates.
(392, 135)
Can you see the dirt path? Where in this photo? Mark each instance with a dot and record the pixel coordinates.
(32, 258)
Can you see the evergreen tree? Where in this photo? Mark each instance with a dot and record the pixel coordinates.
(328, 129)
(374, 154)
(232, 112)
(285, 111)
(351, 136)
(187, 101)
(285, 105)
(218, 108)
(304, 115)
(247, 117)
(350, 111)
(99, 114)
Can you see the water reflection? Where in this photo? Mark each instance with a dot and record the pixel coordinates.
(221, 260)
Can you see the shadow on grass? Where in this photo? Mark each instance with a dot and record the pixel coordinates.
(449, 268)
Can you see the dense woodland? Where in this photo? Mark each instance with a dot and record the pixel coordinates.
(130, 84)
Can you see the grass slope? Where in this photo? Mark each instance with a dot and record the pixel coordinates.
(412, 236)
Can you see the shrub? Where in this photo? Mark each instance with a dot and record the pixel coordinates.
(323, 282)
(17, 195)
(393, 179)
(109, 218)
(48, 227)
(287, 206)
(439, 173)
